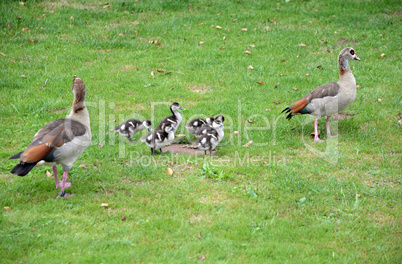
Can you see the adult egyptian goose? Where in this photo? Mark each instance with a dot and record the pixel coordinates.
(210, 139)
(61, 141)
(159, 137)
(219, 119)
(173, 120)
(132, 126)
(194, 125)
(329, 98)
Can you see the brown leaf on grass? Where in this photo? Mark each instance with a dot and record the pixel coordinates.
(33, 229)
(250, 67)
(22, 3)
(266, 110)
(23, 76)
(71, 18)
(313, 133)
(357, 195)
(218, 14)
(302, 45)
(199, 235)
(49, 174)
(30, 41)
(223, 47)
(341, 116)
(319, 67)
(281, 75)
(152, 73)
(2, 54)
(106, 5)
(6, 208)
(236, 132)
(294, 88)
(104, 205)
(276, 86)
(123, 218)
(247, 52)
(83, 166)
(250, 121)
(10, 26)
(398, 116)
(382, 54)
(400, 122)
(169, 171)
(382, 35)
(307, 74)
(260, 82)
(218, 27)
(379, 100)
(202, 258)
(100, 146)
(276, 102)
(297, 56)
(358, 86)
(161, 70)
(201, 42)
(244, 29)
(248, 144)
(224, 37)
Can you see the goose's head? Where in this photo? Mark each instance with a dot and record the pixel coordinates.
(147, 124)
(217, 124)
(349, 54)
(176, 106)
(209, 120)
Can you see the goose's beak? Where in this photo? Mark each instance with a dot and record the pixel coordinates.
(150, 129)
(357, 58)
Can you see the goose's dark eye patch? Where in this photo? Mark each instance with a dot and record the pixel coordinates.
(352, 52)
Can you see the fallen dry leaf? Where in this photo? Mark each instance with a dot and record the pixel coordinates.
(71, 18)
(319, 67)
(6, 208)
(83, 166)
(313, 133)
(248, 144)
(201, 42)
(22, 3)
(250, 67)
(358, 86)
(169, 171)
(382, 35)
(250, 121)
(1, 53)
(294, 88)
(106, 5)
(30, 41)
(199, 235)
(33, 229)
(123, 218)
(161, 70)
(276, 86)
(400, 122)
(260, 82)
(244, 29)
(218, 27)
(152, 73)
(224, 37)
(382, 54)
(281, 75)
(100, 146)
(276, 102)
(236, 132)
(104, 204)
(379, 100)
(357, 195)
(48, 174)
(247, 52)
(302, 45)
(267, 109)
(23, 76)
(297, 56)
(307, 74)
(202, 258)
(223, 47)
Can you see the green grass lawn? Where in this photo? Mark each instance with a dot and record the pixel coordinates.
(284, 199)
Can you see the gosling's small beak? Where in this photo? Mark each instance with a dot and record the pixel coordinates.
(357, 58)
(181, 108)
(150, 129)
(222, 126)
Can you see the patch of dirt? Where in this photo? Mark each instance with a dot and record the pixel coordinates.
(7, 176)
(341, 116)
(184, 148)
(343, 41)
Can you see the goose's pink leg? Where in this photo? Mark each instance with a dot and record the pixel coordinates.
(316, 138)
(58, 184)
(63, 186)
(328, 129)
